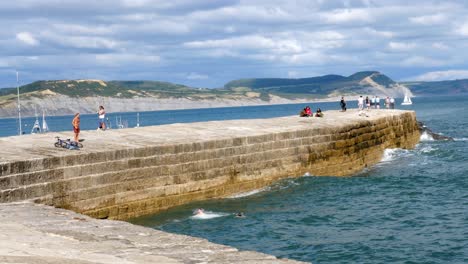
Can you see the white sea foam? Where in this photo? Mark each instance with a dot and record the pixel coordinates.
(427, 149)
(426, 137)
(245, 194)
(460, 139)
(389, 154)
(208, 215)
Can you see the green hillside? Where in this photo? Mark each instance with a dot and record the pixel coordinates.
(260, 88)
(316, 87)
(120, 89)
(439, 88)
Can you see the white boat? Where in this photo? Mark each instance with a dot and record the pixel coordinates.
(407, 101)
(36, 129)
(138, 120)
(45, 127)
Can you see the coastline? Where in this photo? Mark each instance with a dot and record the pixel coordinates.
(63, 105)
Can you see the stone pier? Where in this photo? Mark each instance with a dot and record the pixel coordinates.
(126, 173)
(131, 172)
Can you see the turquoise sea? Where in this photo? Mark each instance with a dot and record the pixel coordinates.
(412, 207)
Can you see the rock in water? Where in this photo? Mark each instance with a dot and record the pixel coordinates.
(424, 129)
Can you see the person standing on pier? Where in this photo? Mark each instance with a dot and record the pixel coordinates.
(392, 103)
(387, 102)
(102, 116)
(343, 104)
(360, 103)
(76, 126)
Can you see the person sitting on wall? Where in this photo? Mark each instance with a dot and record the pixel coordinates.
(318, 113)
(308, 111)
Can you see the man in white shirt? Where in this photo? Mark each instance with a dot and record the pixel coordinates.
(360, 103)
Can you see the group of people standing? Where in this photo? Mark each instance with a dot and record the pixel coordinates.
(101, 122)
(375, 102)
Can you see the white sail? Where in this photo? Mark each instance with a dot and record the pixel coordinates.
(407, 101)
(36, 127)
(45, 127)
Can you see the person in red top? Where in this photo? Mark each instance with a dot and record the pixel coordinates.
(76, 126)
(308, 111)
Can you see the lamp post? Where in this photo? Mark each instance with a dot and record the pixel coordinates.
(19, 105)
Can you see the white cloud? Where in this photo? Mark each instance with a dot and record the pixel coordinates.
(196, 76)
(429, 19)
(347, 15)
(293, 74)
(249, 42)
(440, 46)
(401, 46)
(230, 29)
(261, 14)
(422, 61)
(135, 3)
(271, 37)
(377, 33)
(27, 38)
(84, 42)
(116, 59)
(462, 29)
(281, 43)
(82, 29)
(441, 75)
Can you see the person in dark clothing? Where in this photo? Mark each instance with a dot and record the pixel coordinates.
(343, 104)
(318, 113)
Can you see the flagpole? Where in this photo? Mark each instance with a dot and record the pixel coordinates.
(19, 106)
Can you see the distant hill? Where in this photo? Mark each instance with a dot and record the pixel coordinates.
(367, 82)
(439, 88)
(59, 97)
(87, 88)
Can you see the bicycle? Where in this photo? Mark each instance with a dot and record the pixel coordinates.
(68, 144)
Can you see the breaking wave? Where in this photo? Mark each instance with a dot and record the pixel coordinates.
(426, 137)
(208, 215)
(249, 193)
(389, 154)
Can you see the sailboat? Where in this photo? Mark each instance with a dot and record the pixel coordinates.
(407, 101)
(138, 120)
(36, 127)
(45, 127)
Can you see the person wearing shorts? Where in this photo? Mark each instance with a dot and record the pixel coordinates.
(102, 117)
(76, 126)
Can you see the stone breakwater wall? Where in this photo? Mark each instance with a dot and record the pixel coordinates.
(208, 160)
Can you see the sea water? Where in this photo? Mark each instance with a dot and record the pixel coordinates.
(412, 207)
(9, 126)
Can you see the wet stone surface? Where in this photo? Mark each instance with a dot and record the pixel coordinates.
(32, 233)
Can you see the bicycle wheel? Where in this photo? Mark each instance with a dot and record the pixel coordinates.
(80, 145)
(57, 145)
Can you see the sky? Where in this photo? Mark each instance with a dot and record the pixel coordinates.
(206, 43)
